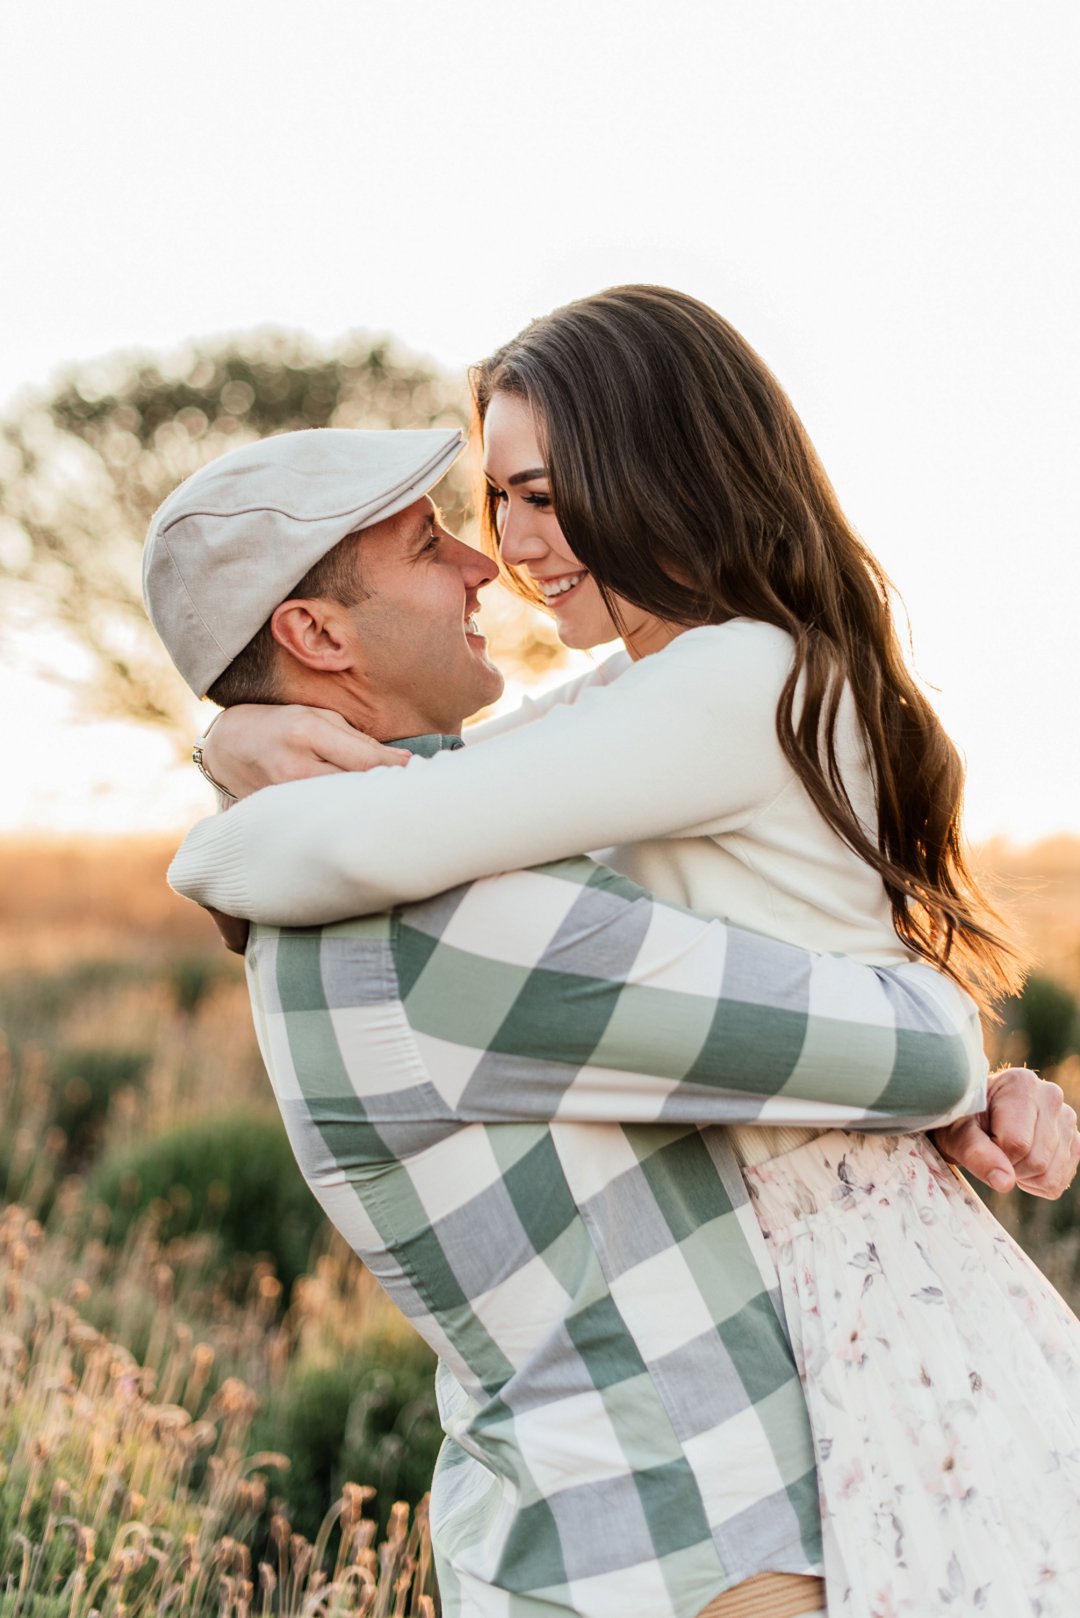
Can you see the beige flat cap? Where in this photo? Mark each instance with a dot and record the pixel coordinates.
(232, 541)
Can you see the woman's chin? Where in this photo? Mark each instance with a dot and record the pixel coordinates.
(581, 631)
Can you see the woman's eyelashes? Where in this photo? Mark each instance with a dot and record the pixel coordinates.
(541, 502)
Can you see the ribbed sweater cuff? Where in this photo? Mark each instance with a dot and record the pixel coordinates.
(212, 855)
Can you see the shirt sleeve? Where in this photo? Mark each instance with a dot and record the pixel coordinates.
(570, 994)
(683, 743)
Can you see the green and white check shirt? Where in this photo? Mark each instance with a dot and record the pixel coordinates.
(507, 1098)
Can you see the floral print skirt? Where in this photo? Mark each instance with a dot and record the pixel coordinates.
(942, 1376)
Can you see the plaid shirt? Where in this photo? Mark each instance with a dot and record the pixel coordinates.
(504, 1098)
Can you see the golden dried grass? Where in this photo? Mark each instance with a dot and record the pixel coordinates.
(66, 900)
(127, 1488)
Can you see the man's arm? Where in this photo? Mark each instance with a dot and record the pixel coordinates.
(569, 993)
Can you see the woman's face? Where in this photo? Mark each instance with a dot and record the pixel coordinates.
(530, 537)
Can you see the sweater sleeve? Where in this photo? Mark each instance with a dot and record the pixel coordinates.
(531, 708)
(683, 743)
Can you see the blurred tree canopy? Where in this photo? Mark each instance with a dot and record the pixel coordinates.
(82, 471)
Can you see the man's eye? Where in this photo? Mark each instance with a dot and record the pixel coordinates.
(433, 542)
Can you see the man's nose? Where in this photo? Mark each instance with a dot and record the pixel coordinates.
(476, 568)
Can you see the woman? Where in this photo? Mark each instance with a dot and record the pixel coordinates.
(760, 752)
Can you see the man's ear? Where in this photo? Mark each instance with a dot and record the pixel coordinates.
(316, 633)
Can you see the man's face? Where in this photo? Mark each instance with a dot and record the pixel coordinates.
(417, 642)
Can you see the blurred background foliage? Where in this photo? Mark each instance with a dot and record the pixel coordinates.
(198, 1381)
(84, 467)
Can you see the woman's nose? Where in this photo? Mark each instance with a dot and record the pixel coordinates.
(518, 540)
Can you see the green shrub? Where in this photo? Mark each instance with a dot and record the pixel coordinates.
(1049, 1017)
(231, 1174)
(82, 1084)
(193, 977)
(369, 1416)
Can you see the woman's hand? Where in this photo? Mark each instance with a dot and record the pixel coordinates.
(260, 745)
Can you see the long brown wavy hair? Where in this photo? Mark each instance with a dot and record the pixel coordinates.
(685, 482)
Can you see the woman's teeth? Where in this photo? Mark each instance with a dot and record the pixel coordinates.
(550, 589)
(472, 627)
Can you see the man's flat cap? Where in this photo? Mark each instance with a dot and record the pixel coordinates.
(232, 542)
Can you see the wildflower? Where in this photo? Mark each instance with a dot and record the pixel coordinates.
(354, 1497)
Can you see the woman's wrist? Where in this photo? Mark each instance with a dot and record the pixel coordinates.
(198, 758)
(256, 745)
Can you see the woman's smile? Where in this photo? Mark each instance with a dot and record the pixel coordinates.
(554, 589)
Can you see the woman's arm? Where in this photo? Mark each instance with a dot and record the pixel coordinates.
(565, 694)
(683, 743)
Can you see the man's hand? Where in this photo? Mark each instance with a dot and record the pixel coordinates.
(1026, 1139)
(233, 929)
(254, 745)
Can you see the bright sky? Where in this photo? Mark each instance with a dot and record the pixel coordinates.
(882, 197)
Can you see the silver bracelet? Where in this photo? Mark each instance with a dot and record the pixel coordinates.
(197, 760)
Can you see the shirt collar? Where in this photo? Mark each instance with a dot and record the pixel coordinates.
(428, 746)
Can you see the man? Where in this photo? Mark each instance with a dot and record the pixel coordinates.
(505, 1097)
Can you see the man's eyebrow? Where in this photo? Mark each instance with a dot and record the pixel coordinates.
(527, 477)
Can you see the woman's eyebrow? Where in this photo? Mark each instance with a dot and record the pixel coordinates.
(527, 477)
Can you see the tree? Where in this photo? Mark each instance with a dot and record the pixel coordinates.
(83, 470)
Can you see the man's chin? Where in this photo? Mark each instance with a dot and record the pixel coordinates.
(487, 687)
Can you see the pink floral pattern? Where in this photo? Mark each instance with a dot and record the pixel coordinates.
(942, 1374)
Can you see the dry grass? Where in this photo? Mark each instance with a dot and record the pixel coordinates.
(63, 902)
(1040, 887)
(128, 1488)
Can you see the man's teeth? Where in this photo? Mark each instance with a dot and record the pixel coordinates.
(472, 627)
(550, 588)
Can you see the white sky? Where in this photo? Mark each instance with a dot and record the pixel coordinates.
(883, 197)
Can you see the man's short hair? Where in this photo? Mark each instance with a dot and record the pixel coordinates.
(254, 674)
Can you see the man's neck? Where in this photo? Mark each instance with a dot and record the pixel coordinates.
(384, 722)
